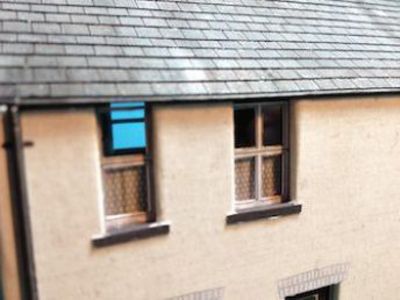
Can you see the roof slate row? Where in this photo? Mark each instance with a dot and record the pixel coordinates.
(58, 51)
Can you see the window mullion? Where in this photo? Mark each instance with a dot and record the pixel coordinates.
(258, 157)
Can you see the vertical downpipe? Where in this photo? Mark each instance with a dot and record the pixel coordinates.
(19, 196)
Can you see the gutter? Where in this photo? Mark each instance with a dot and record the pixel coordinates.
(20, 206)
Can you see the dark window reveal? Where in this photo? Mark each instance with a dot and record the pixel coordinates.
(325, 293)
(244, 128)
(272, 131)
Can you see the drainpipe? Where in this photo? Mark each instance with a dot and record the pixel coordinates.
(20, 206)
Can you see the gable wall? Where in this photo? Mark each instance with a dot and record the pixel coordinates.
(346, 173)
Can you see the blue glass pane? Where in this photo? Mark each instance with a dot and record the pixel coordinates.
(129, 135)
(127, 114)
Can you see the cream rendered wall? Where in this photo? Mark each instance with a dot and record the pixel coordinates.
(346, 173)
(8, 260)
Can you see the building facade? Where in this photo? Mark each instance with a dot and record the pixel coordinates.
(158, 150)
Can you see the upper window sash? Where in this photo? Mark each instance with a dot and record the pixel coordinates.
(125, 128)
(257, 142)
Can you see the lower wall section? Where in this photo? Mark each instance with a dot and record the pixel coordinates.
(345, 172)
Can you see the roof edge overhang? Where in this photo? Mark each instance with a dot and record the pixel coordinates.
(96, 100)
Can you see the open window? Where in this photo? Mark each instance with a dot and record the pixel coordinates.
(126, 165)
(261, 155)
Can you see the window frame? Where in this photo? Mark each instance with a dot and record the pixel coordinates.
(107, 135)
(125, 158)
(259, 151)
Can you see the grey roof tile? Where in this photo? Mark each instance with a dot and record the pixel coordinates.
(86, 19)
(72, 61)
(30, 16)
(41, 61)
(154, 22)
(7, 92)
(49, 49)
(128, 89)
(67, 89)
(193, 34)
(131, 21)
(61, 39)
(83, 75)
(16, 26)
(287, 85)
(101, 29)
(147, 4)
(171, 33)
(181, 52)
(217, 88)
(109, 20)
(46, 27)
(214, 34)
(79, 49)
(133, 51)
(17, 48)
(170, 49)
(146, 75)
(98, 61)
(239, 87)
(8, 37)
(192, 88)
(8, 15)
(108, 50)
(226, 63)
(157, 52)
(33, 90)
(15, 75)
(100, 89)
(164, 5)
(49, 8)
(51, 17)
(78, 29)
(148, 32)
(170, 88)
(263, 86)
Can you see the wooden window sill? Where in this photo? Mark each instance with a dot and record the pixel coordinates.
(265, 212)
(131, 233)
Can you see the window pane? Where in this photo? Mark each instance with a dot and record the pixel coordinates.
(245, 128)
(125, 189)
(130, 135)
(272, 116)
(271, 175)
(245, 179)
(134, 110)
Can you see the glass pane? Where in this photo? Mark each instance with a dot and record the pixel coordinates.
(125, 189)
(272, 116)
(245, 179)
(129, 135)
(271, 175)
(245, 128)
(135, 110)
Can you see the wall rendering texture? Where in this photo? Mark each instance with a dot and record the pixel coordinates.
(345, 172)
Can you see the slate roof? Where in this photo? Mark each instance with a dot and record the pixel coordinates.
(100, 50)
